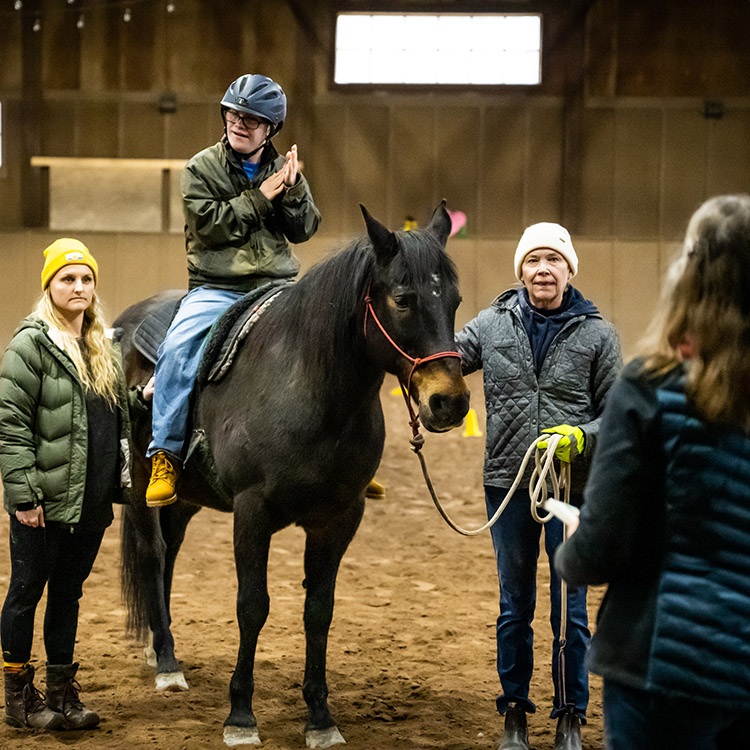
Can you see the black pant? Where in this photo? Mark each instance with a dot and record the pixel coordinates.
(59, 559)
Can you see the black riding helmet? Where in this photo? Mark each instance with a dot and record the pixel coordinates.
(257, 95)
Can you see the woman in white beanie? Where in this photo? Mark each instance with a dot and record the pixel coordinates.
(549, 359)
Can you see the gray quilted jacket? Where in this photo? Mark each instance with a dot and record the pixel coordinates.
(580, 366)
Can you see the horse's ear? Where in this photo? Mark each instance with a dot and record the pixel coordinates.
(440, 223)
(383, 240)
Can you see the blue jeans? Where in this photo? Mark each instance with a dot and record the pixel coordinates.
(177, 366)
(515, 537)
(637, 720)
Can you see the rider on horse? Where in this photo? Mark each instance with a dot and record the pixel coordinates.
(243, 203)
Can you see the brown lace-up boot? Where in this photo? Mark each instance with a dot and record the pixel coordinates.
(24, 704)
(62, 695)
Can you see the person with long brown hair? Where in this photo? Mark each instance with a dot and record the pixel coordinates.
(64, 426)
(666, 518)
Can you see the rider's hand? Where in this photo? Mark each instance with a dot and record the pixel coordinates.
(570, 445)
(33, 518)
(273, 185)
(291, 167)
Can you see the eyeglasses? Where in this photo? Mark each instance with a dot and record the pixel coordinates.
(248, 121)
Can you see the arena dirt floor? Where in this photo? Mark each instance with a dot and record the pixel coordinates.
(411, 662)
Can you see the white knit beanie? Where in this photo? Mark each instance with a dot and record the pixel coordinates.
(546, 234)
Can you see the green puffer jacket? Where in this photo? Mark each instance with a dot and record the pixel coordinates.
(234, 236)
(43, 427)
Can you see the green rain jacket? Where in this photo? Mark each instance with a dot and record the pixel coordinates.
(43, 427)
(235, 237)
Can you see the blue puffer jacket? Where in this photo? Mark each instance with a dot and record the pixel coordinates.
(579, 368)
(701, 643)
(666, 523)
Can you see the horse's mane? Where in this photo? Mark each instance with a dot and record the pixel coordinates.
(327, 301)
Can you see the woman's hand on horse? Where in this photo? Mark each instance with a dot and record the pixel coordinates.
(148, 390)
(273, 185)
(32, 518)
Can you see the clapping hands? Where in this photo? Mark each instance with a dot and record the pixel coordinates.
(285, 178)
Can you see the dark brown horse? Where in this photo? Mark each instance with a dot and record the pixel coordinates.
(296, 433)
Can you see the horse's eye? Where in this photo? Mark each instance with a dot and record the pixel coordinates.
(404, 300)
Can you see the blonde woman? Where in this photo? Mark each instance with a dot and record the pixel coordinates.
(666, 522)
(63, 457)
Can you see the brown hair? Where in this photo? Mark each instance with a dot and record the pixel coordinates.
(706, 308)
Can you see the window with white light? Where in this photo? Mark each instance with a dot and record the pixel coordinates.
(445, 48)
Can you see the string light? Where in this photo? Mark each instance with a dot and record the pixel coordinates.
(80, 8)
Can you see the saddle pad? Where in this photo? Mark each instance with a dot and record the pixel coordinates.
(231, 329)
(153, 328)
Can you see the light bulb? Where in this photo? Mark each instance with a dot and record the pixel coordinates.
(81, 22)
(17, 5)
(170, 7)
(127, 15)
(37, 25)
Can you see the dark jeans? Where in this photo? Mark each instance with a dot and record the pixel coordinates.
(62, 561)
(637, 720)
(515, 537)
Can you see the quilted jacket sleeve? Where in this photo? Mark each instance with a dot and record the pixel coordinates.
(606, 369)
(469, 345)
(20, 384)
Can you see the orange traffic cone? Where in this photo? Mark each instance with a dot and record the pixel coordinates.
(472, 425)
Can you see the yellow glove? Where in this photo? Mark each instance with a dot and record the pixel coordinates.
(569, 446)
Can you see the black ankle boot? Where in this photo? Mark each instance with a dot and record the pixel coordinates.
(62, 695)
(568, 734)
(516, 734)
(24, 704)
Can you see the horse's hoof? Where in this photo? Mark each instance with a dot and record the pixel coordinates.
(234, 736)
(170, 681)
(150, 655)
(320, 738)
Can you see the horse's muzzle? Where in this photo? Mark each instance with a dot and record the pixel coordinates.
(443, 398)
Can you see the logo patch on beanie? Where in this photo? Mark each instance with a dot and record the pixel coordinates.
(74, 255)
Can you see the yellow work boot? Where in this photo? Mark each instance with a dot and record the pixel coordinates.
(161, 488)
(375, 490)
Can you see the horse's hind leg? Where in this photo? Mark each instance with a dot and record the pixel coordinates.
(173, 521)
(323, 552)
(252, 538)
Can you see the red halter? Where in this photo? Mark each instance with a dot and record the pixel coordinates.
(416, 362)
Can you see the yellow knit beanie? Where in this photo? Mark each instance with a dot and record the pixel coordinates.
(65, 252)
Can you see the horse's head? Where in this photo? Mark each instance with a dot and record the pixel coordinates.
(410, 317)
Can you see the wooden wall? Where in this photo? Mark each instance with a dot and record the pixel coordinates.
(617, 143)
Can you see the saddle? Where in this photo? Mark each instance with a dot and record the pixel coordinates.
(225, 335)
(222, 343)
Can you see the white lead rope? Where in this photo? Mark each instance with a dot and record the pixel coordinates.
(543, 468)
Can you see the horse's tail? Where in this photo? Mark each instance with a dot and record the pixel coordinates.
(131, 577)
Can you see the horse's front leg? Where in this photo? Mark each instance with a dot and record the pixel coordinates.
(252, 537)
(323, 552)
